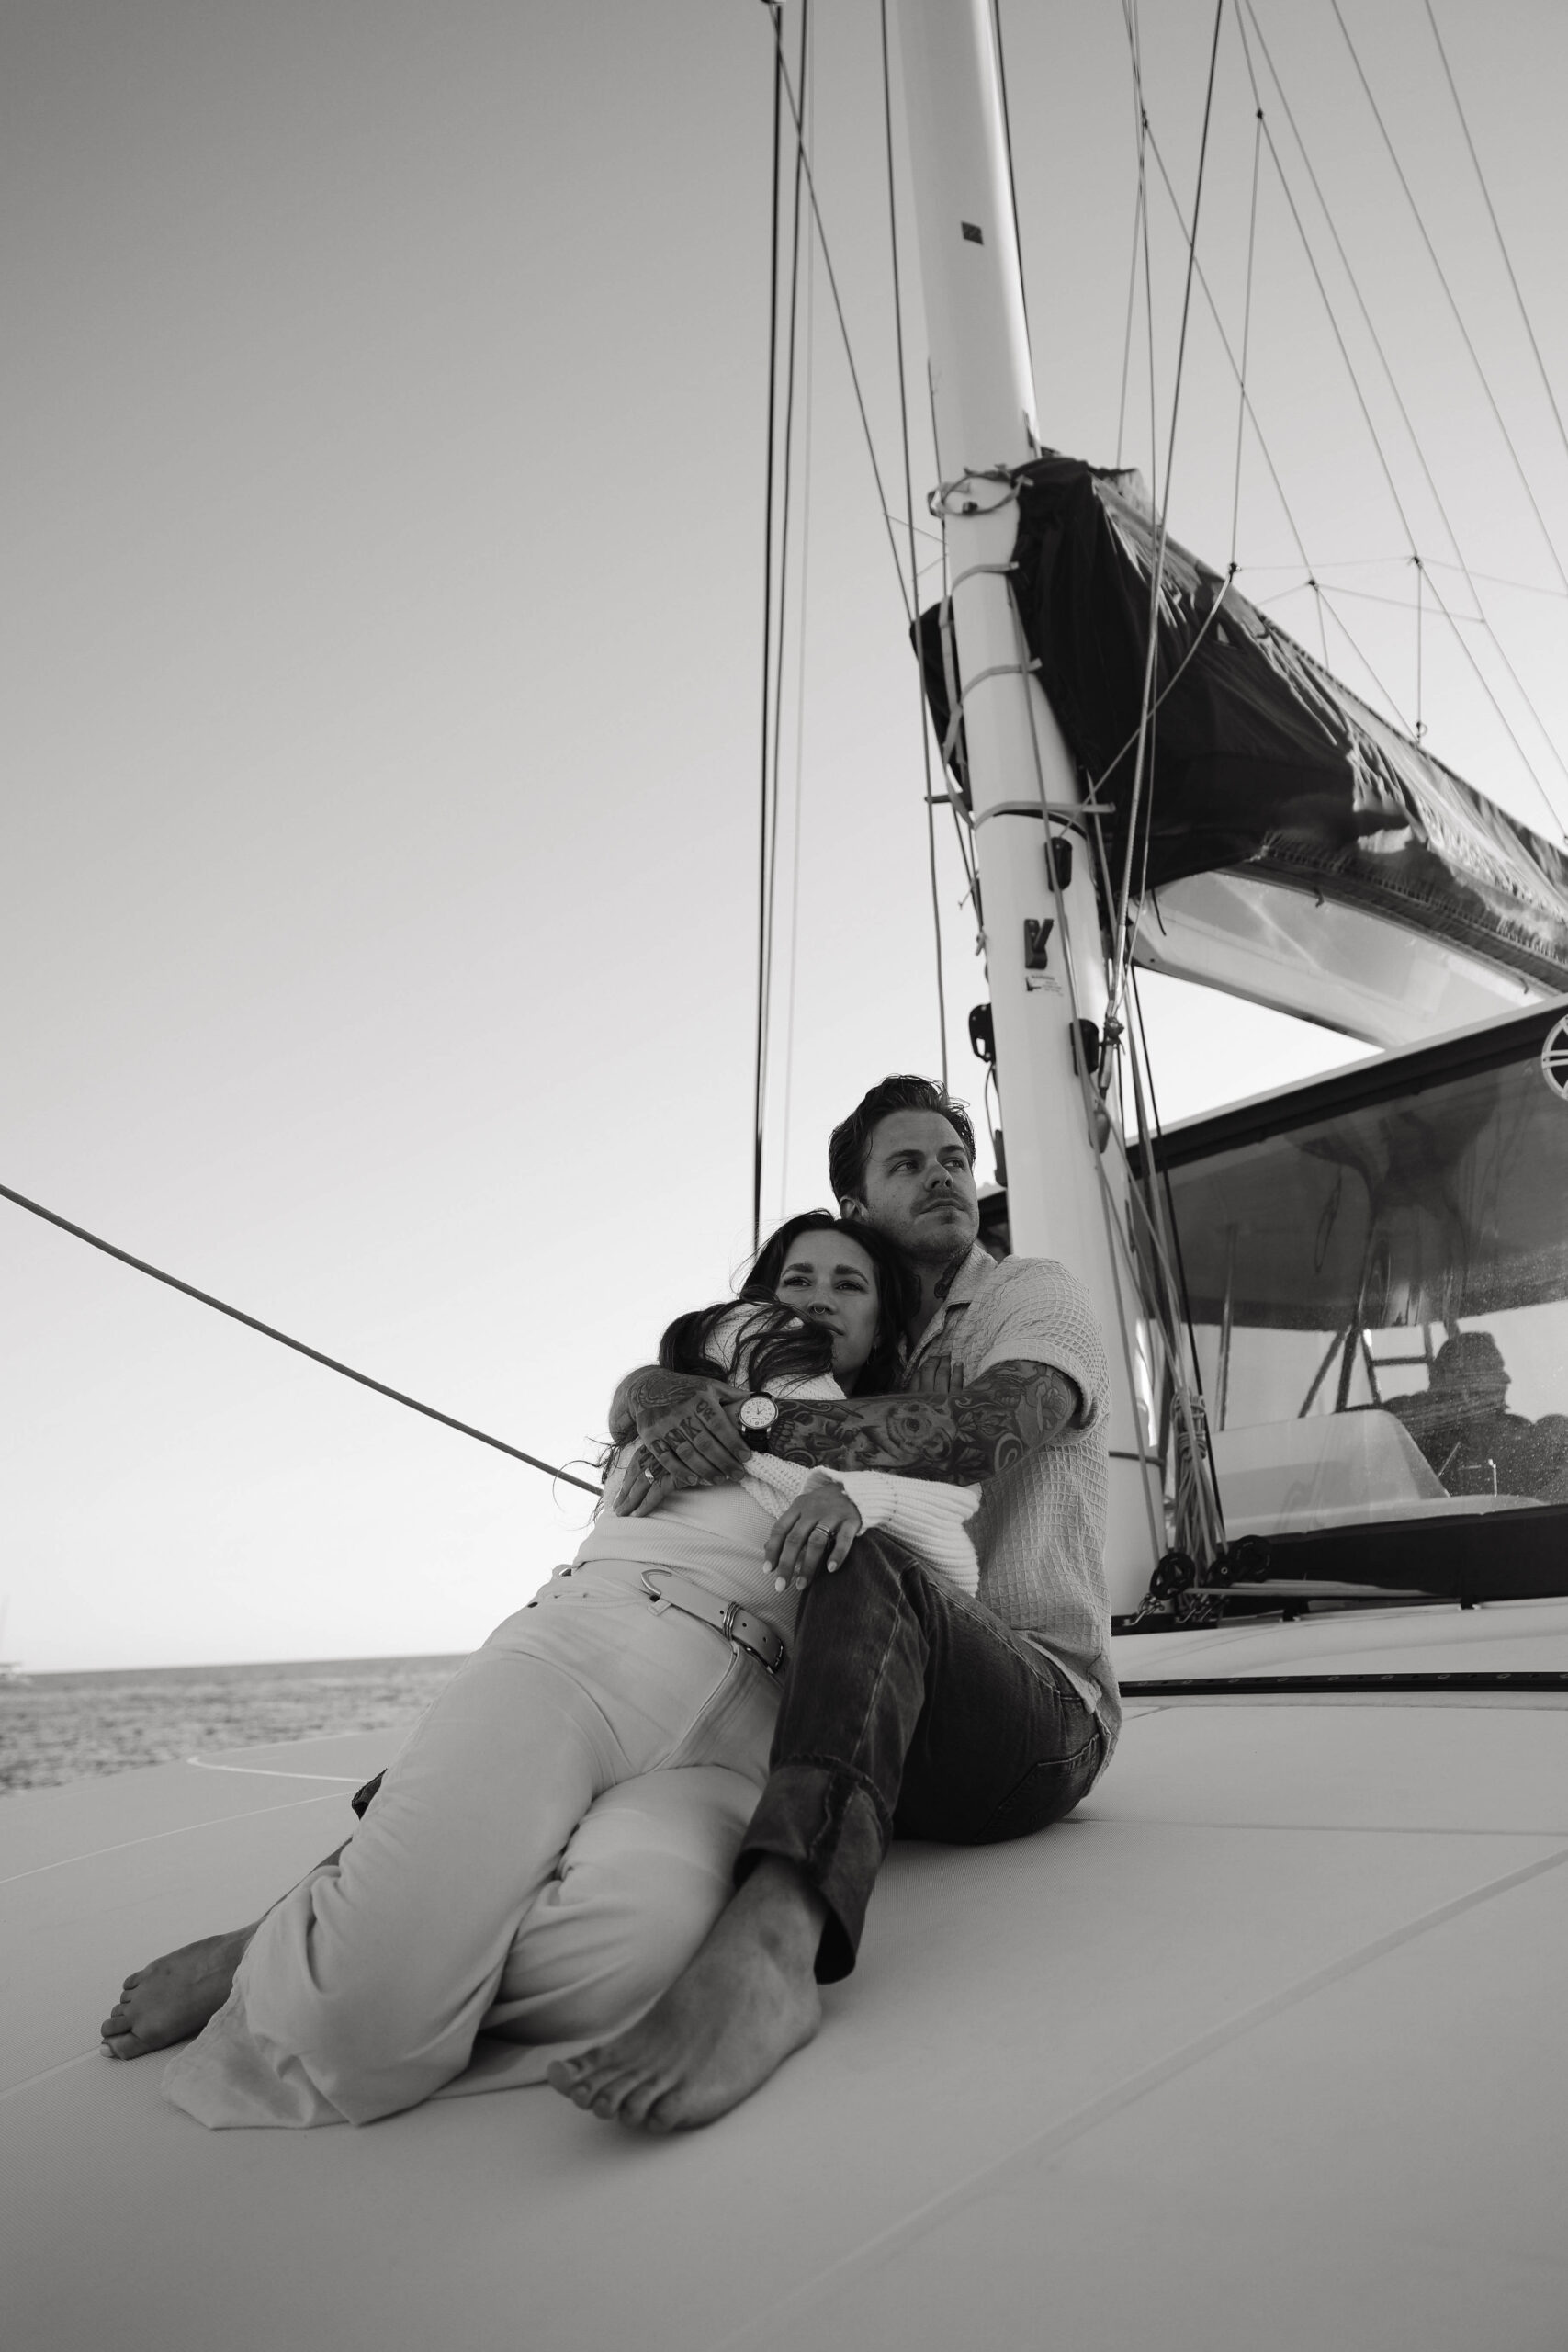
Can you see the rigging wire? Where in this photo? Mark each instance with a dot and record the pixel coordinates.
(1391, 382)
(914, 566)
(1131, 305)
(774, 11)
(1497, 230)
(960, 830)
(1218, 324)
(269, 1332)
(1157, 580)
(773, 843)
(1406, 523)
(1494, 579)
(1465, 335)
(761, 1051)
(1246, 329)
(809, 115)
(1364, 597)
(1092, 1101)
(1013, 176)
(1325, 597)
(1432, 562)
(1486, 685)
(1141, 225)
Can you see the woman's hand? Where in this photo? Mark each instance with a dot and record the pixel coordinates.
(815, 1531)
(642, 1489)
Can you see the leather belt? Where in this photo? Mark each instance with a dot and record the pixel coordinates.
(736, 1624)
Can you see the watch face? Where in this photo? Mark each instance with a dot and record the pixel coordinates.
(757, 1413)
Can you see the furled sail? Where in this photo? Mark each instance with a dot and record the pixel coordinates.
(1261, 766)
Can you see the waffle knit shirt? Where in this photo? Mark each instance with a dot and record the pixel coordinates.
(1040, 1531)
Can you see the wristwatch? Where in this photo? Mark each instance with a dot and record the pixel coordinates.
(756, 1417)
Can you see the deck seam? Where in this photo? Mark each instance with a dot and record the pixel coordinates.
(1045, 2144)
(185, 1829)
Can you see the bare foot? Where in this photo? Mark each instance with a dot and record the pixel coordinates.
(173, 1997)
(733, 2016)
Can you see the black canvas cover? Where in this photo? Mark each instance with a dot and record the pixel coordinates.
(1261, 759)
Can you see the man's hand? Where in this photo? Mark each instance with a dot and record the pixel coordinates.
(815, 1531)
(686, 1433)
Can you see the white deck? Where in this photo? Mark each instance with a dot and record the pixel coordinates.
(1265, 2047)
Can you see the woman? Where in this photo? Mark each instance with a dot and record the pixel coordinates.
(555, 1839)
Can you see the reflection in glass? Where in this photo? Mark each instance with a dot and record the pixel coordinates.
(1380, 1292)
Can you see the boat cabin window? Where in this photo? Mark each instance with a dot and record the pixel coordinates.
(1377, 1273)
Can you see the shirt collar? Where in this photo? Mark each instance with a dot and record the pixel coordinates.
(966, 1283)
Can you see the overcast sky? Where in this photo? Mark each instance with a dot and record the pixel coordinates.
(383, 494)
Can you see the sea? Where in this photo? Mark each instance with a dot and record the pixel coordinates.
(60, 1728)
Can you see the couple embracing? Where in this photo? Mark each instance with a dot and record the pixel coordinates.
(846, 1583)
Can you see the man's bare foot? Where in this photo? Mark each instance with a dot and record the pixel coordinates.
(173, 1997)
(733, 2016)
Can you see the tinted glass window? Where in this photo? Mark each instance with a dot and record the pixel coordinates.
(1380, 1304)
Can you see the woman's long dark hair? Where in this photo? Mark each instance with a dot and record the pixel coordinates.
(777, 1343)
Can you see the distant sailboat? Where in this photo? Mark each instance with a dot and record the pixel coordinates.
(10, 1671)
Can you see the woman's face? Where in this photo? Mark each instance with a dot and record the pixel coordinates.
(828, 1278)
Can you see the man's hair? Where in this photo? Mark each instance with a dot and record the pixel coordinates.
(849, 1146)
(1468, 1356)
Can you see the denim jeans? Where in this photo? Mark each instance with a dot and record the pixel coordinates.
(910, 1711)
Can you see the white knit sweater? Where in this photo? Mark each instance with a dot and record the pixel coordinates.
(716, 1533)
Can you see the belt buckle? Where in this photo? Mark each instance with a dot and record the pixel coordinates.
(770, 1667)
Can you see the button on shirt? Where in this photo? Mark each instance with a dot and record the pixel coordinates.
(1039, 1530)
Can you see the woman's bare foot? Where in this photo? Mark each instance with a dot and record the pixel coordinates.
(173, 1997)
(733, 2016)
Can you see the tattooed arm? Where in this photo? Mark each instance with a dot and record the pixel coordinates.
(1011, 1410)
(648, 1388)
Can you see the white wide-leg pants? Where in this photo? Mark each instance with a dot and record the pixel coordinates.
(542, 1858)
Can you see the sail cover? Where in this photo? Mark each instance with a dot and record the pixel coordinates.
(1260, 760)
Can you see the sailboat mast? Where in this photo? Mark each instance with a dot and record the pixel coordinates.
(982, 395)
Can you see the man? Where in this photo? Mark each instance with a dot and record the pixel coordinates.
(1462, 1423)
(908, 1709)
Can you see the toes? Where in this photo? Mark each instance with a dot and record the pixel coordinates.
(641, 2107)
(125, 2046)
(582, 2079)
(613, 2093)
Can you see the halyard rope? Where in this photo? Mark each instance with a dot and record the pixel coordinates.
(269, 1332)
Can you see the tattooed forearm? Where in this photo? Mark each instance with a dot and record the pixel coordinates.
(645, 1392)
(971, 1433)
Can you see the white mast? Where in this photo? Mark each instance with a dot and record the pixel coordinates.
(984, 399)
